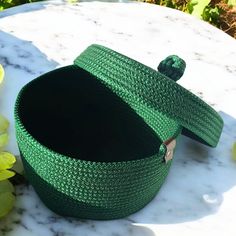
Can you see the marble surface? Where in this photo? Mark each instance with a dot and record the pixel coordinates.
(199, 195)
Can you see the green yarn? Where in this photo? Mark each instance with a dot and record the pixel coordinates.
(91, 135)
(144, 88)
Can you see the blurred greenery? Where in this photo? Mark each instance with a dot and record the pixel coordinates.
(220, 13)
(11, 3)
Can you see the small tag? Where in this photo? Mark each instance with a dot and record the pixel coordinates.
(170, 146)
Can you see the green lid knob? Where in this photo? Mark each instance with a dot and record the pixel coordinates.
(173, 67)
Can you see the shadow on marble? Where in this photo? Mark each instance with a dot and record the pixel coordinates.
(22, 62)
(31, 217)
(22, 55)
(197, 181)
(141, 230)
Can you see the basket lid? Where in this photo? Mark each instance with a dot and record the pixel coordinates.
(148, 91)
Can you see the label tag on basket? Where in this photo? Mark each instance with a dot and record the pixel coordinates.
(170, 146)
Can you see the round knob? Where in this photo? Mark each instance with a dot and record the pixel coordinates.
(173, 67)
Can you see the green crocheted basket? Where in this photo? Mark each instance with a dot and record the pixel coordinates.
(97, 137)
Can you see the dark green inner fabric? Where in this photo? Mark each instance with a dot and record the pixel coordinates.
(82, 118)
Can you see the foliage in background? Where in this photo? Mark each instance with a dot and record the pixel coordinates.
(220, 13)
(234, 151)
(11, 3)
(7, 197)
(7, 160)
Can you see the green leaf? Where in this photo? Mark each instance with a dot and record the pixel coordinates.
(190, 6)
(7, 197)
(3, 140)
(1, 73)
(7, 160)
(6, 186)
(6, 174)
(234, 151)
(199, 7)
(232, 2)
(206, 14)
(211, 15)
(7, 200)
(4, 124)
(214, 14)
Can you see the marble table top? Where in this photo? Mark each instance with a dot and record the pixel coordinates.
(199, 195)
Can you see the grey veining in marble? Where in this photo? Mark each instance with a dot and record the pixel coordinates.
(199, 194)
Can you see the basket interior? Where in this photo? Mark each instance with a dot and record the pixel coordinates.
(71, 112)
